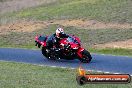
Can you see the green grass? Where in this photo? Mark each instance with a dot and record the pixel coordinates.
(102, 10)
(112, 51)
(4, 0)
(107, 51)
(89, 37)
(18, 75)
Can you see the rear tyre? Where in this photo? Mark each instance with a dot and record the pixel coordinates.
(44, 52)
(86, 57)
(48, 54)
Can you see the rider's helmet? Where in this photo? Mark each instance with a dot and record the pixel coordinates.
(59, 31)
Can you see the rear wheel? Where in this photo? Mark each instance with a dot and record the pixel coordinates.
(44, 51)
(49, 55)
(86, 57)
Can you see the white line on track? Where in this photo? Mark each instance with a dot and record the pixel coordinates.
(86, 70)
(67, 67)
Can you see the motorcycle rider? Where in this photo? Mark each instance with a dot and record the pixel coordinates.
(54, 39)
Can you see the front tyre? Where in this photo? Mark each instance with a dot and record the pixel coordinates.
(86, 57)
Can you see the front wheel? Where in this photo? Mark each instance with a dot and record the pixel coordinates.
(86, 57)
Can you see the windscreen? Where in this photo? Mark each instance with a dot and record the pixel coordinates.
(71, 39)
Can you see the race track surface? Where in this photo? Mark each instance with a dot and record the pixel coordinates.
(105, 63)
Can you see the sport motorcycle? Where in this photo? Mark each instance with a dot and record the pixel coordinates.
(69, 48)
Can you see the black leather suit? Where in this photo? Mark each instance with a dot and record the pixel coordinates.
(54, 40)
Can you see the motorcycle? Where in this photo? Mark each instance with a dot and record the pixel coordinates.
(69, 48)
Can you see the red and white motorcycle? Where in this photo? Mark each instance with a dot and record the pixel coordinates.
(70, 48)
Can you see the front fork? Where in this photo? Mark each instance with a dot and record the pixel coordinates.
(37, 44)
(79, 52)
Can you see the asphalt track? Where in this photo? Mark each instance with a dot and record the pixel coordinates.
(105, 63)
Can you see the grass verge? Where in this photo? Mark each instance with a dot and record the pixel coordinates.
(113, 51)
(110, 51)
(20, 75)
(89, 37)
(102, 10)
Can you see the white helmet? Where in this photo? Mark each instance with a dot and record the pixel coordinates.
(58, 31)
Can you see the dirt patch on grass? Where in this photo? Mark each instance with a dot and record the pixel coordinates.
(120, 44)
(22, 27)
(91, 24)
(31, 26)
(92, 37)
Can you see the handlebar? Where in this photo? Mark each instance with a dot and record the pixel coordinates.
(67, 46)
